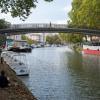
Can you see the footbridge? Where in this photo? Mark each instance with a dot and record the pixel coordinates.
(46, 28)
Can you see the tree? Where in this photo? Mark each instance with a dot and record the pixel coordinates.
(74, 12)
(23, 37)
(29, 41)
(53, 39)
(71, 38)
(85, 14)
(63, 37)
(49, 39)
(4, 24)
(18, 8)
(2, 40)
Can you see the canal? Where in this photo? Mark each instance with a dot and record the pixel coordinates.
(58, 73)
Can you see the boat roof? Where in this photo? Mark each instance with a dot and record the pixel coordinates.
(18, 54)
(20, 40)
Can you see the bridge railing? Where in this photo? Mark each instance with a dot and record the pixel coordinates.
(19, 26)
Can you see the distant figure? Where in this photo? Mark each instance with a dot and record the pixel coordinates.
(50, 24)
(3, 80)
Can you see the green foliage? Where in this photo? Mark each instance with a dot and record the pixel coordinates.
(2, 39)
(75, 38)
(4, 24)
(64, 37)
(18, 8)
(85, 14)
(29, 41)
(70, 37)
(53, 39)
(23, 37)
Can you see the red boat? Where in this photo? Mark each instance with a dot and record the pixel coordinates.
(92, 48)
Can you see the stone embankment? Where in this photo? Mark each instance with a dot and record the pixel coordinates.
(17, 90)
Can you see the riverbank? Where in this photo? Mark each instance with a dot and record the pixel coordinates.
(76, 47)
(17, 90)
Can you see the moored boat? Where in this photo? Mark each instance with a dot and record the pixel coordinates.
(17, 62)
(20, 66)
(91, 48)
(17, 46)
(20, 49)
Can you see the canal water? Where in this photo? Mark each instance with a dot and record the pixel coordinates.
(58, 73)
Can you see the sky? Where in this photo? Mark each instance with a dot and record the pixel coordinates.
(54, 12)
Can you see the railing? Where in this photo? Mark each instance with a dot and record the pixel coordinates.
(19, 26)
(43, 27)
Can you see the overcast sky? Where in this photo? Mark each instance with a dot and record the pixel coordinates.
(55, 12)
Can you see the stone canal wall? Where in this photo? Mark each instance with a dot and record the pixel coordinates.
(17, 90)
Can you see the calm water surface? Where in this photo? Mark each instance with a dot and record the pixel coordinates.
(61, 74)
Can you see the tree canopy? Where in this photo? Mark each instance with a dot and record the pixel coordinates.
(29, 41)
(4, 24)
(85, 14)
(71, 38)
(18, 8)
(53, 39)
(2, 39)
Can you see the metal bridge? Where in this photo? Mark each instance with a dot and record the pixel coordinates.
(43, 28)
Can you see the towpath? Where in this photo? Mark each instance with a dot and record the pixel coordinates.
(17, 90)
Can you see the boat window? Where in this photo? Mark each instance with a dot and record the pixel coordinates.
(15, 60)
(92, 43)
(20, 63)
(96, 44)
(22, 71)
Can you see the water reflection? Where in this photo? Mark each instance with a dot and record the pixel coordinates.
(85, 73)
(60, 74)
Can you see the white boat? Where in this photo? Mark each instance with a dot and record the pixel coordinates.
(17, 62)
(21, 70)
(20, 66)
(7, 55)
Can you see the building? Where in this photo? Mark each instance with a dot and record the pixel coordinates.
(14, 37)
(40, 37)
